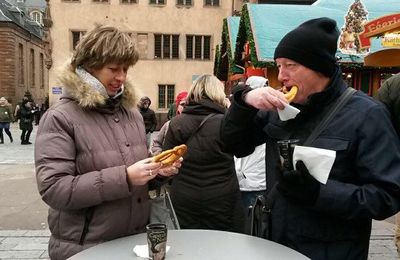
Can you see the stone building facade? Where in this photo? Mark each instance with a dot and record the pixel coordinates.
(175, 38)
(22, 60)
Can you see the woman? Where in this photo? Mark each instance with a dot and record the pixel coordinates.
(90, 155)
(206, 192)
(26, 116)
(5, 119)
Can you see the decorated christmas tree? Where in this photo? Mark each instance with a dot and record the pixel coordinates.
(355, 18)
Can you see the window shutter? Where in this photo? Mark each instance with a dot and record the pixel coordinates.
(189, 47)
(157, 46)
(175, 46)
(207, 45)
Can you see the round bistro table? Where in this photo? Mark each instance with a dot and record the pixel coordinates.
(193, 244)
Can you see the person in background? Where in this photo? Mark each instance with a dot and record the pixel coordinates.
(158, 141)
(90, 153)
(206, 192)
(171, 111)
(6, 118)
(26, 116)
(321, 221)
(149, 118)
(250, 170)
(389, 94)
(18, 106)
(43, 110)
(37, 114)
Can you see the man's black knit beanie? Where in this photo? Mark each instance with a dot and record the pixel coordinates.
(313, 44)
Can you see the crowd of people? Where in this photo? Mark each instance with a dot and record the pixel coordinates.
(26, 113)
(93, 151)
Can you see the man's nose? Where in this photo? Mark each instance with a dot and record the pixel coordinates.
(282, 75)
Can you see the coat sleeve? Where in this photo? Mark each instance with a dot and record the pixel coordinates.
(59, 184)
(158, 141)
(389, 95)
(240, 129)
(385, 95)
(375, 191)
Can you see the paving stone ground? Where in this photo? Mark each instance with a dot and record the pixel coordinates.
(32, 244)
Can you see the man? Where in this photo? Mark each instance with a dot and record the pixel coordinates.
(149, 118)
(331, 221)
(389, 95)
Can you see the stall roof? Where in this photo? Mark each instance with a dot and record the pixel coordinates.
(269, 23)
(233, 28)
(375, 8)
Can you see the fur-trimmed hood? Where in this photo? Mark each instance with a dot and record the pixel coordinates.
(88, 97)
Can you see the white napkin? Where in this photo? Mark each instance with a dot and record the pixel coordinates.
(318, 161)
(143, 250)
(288, 112)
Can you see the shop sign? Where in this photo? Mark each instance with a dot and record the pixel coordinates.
(356, 16)
(391, 39)
(378, 27)
(56, 90)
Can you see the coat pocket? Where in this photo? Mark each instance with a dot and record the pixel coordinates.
(331, 143)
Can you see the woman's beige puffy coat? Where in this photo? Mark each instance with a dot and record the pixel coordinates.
(83, 147)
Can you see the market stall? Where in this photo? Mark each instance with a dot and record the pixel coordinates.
(263, 25)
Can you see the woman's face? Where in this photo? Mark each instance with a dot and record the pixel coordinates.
(180, 107)
(112, 76)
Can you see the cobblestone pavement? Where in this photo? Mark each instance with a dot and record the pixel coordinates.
(15, 153)
(23, 225)
(32, 244)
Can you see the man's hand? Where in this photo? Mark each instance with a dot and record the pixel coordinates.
(265, 98)
(298, 186)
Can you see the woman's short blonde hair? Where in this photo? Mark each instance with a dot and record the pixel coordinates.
(104, 45)
(207, 87)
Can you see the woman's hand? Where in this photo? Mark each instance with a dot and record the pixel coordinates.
(142, 171)
(145, 170)
(171, 170)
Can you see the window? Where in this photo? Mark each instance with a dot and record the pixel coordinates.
(198, 47)
(211, 2)
(37, 16)
(166, 46)
(157, 2)
(184, 2)
(128, 2)
(21, 78)
(41, 68)
(76, 36)
(166, 94)
(32, 69)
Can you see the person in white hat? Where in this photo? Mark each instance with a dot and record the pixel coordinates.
(250, 170)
